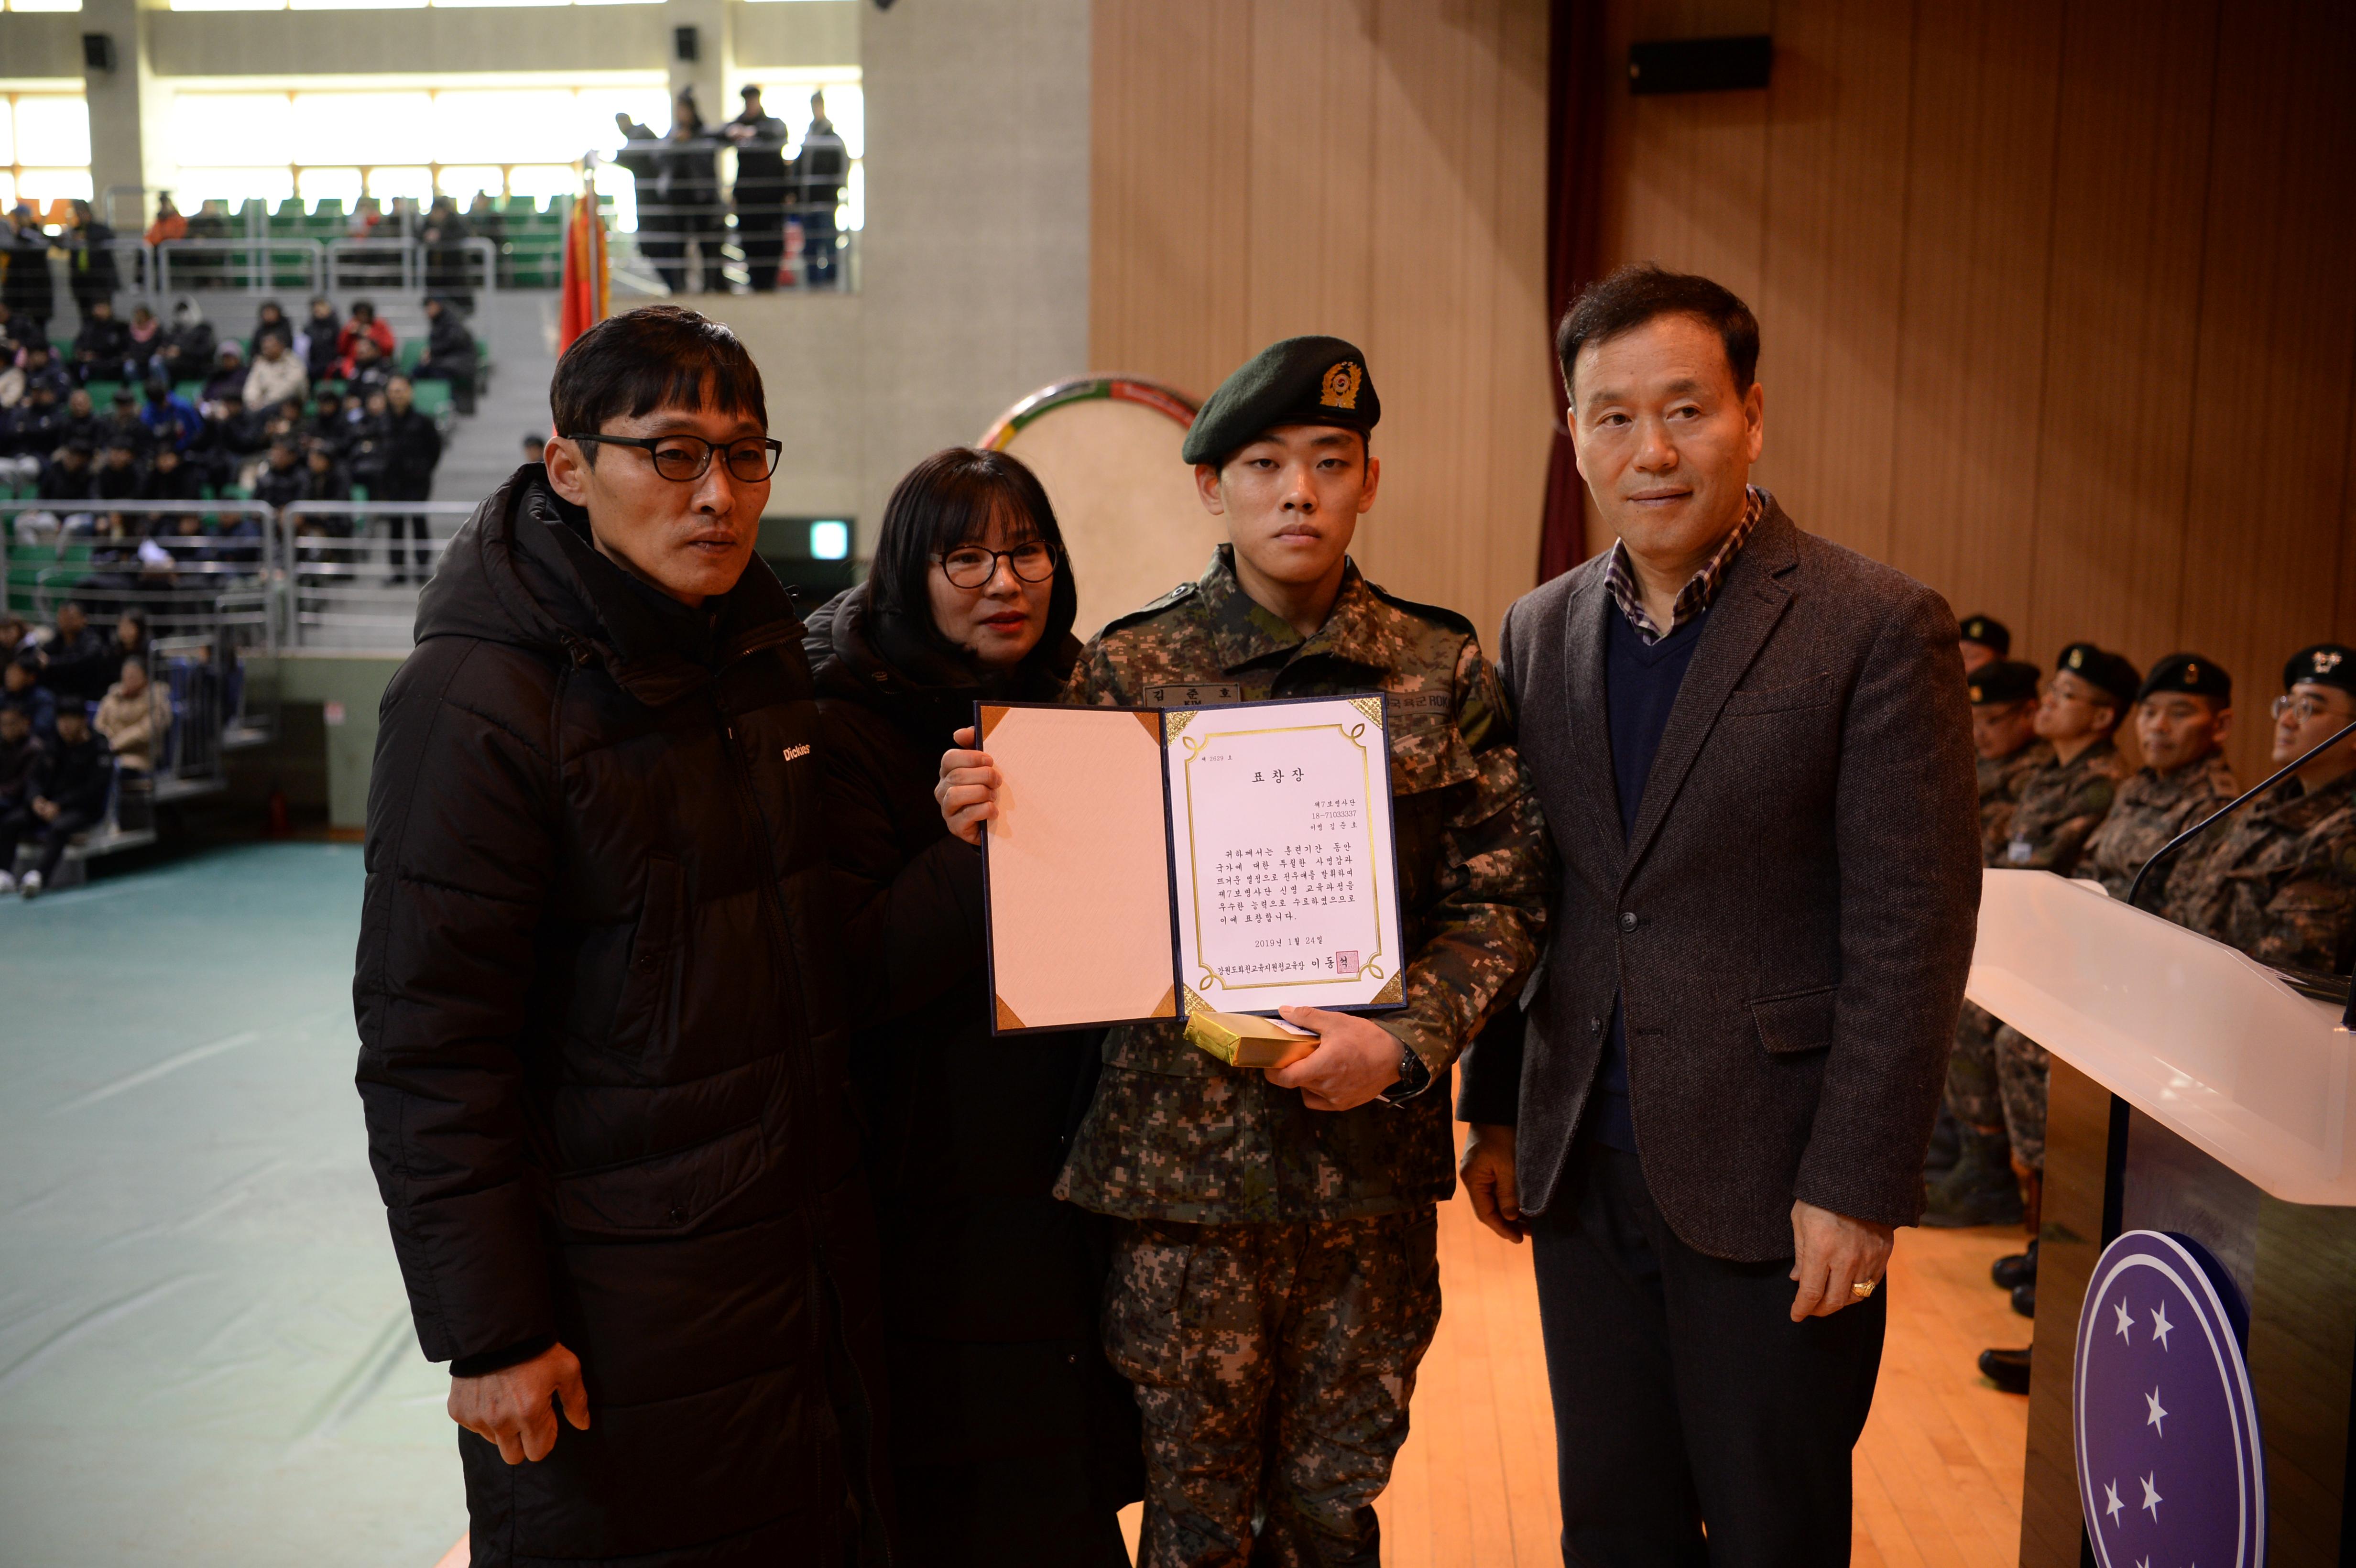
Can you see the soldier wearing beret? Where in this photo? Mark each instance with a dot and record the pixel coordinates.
(2280, 882)
(2059, 807)
(2003, 737)
(1984, 640)
(2184, 711)
(1276, 1282)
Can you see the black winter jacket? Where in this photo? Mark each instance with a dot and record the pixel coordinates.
(76, 775)
(602, 1055)
(1012, 1440)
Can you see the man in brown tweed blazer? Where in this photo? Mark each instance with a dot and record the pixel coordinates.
(1755, 759)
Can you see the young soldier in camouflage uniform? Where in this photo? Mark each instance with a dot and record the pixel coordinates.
(2003, 735)
(2183, 713)
(2280, 881)
(1983, 641)
(1277, 1283)
(2060, 806)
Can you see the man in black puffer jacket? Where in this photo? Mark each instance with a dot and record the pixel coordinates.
(601, 1056)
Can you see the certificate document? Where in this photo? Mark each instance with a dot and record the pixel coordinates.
(1287, 884)
(1149, 865)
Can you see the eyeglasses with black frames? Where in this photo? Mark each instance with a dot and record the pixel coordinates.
(687, 458)
(971, 566)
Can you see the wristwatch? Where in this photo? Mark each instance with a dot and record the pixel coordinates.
(1414, 1078)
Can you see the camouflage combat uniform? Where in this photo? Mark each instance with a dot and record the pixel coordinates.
(2280, 881)
(1279, 1285)
(1971, 1092)
(2000, 782)
(2152, 808)
(2061, 807)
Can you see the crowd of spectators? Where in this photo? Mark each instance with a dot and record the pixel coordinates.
(78, 711)
(314, 410)
(681, 202)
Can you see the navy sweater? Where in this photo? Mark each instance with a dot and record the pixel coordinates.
(1640, 685)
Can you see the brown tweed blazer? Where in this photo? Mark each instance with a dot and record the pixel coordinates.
(1790, 924)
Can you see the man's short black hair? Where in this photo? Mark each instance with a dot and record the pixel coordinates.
(1641, 291)
(656, 357)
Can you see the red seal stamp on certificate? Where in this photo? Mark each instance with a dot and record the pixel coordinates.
(1346, 961)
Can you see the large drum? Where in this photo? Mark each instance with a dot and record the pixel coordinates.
(1107, 449)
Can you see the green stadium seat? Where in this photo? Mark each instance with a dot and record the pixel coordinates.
(406, 355)
(103, 393)
(194, 391)
(433, 398)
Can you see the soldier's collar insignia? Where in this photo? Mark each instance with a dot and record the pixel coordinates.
(1341, 386)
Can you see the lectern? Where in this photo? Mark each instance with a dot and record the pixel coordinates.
(2194, 1093)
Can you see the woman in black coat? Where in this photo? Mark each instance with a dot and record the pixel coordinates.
(1011, 1440)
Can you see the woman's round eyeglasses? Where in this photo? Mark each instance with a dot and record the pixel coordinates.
(689, 457)
(971, 566)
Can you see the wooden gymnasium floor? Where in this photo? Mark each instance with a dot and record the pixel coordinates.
(1938, 1471)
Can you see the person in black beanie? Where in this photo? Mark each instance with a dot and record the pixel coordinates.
(990, 1284)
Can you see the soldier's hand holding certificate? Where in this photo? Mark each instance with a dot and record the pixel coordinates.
(1231, 859)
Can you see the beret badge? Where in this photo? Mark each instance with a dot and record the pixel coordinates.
(1341, 387)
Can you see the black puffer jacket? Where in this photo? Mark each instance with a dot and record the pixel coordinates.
(601, 1052)
(1012, 1442)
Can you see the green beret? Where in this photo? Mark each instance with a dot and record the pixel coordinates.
(2107, 672)
(1988, 633)
(2326, 664)
(1301, 380)
(2189, 674)
(2006, 680)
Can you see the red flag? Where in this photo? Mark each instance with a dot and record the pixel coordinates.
(588, 296)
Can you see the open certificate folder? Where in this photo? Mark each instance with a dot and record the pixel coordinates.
(1146, 865)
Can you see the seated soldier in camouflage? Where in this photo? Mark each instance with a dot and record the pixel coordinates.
(2183, 714)
(2003, 735)
(1275, 1283)
(2279, 881)
(2057, 805)
(1984, 640)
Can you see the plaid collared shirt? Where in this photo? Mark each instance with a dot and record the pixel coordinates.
(1695, 596)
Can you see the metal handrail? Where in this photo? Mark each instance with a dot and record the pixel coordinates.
(262, 571)
(323, 577)
(261, 276)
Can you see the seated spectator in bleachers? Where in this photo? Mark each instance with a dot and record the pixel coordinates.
(535, 446)
(331, 420)
(127, 718)
(370, 371)
(129, 639)
(123, 423)
(13, 635)
(444, 235)
(282, 481)
(229, 372)
(320, 341)
(363, 327)
(69, 786)
(73, 661)
(81, 420)
(325, 478)
(171, 477)
(19, 750)
(40, 366)
(66, 479)
(171, 420)
(211, 221)
(287, 419)
(169, 224)
(270, 321)
(8, 324)
(120, 473)
(146, 339)
(230, 439)
(450, 352)
(21, 691)
(27, 436)
(103, 347)
(186, 352)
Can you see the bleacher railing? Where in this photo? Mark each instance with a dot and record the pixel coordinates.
(268, 264)
(349, 572)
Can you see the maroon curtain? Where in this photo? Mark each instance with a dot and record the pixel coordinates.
(1577, 77)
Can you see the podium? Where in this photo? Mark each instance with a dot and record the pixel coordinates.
(2193, 1092)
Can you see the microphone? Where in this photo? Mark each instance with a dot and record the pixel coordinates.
(2233, 806)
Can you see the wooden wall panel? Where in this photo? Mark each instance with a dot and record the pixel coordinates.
(2053, 297)
(1371, 168)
